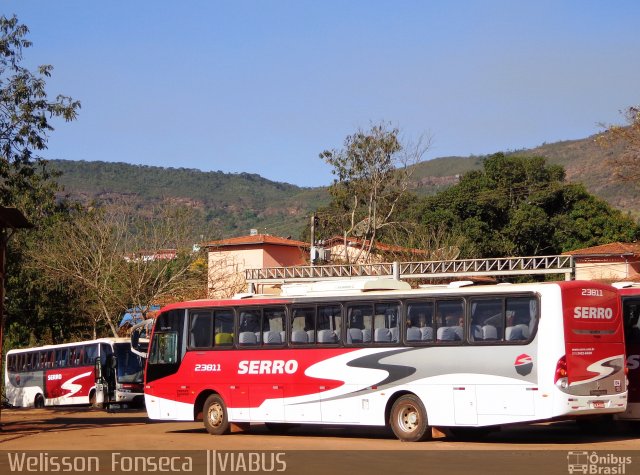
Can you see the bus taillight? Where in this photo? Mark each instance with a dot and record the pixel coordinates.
(560, 378)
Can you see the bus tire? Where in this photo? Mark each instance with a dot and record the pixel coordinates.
(38, 402)
(408, 419)
(216, 417)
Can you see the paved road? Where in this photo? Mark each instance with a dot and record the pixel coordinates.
(91, 429)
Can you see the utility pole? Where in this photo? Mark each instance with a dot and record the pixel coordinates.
(313, 254)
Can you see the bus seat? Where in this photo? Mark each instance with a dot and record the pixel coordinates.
(247, 338)
(459, 333)
(366, 335)
(354, 335)
(426, 333)
(299, 337)
(394, 333)
(446, 334)
(326, 336)
(223, 338)
(517, 332)
(414, 334)
(489, 332)
(272, 338)
(311, 336)
(283, 336)
(476, 332)
(382, 335)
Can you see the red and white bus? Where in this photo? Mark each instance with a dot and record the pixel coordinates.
(630, 296)
(376, 352)
(57, 375)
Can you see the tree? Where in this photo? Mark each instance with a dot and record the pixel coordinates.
(25, 120)
(35, 310)
(518, 206)
(626, 164)
(372, 176)
(119, 261)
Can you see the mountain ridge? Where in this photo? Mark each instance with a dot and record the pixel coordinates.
(233, 203)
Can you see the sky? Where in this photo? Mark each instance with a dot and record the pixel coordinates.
(264, 86)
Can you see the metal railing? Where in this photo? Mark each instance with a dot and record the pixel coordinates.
(503, 266)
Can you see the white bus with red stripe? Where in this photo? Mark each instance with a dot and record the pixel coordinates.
(56, 375)
(630, 297)
(356, 353)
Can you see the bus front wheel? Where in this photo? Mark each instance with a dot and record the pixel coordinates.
(38, 402)
(408, 419)
(216, 419)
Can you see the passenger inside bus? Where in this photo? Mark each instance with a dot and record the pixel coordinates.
(356, 326)
(249, 323)
(452, 330)
(249, 329)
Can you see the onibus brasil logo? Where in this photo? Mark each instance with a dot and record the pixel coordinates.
(597, 464)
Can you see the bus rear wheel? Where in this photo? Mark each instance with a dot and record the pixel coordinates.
(38, 402)
(216, 419)
(408, 419)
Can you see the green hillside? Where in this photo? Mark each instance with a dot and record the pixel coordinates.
(584, 160)
(230, 204)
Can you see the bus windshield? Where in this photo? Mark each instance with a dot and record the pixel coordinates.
(129, 365)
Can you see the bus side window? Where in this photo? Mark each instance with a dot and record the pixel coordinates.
(83, 356)
(61, 358)
(201, 329)
(73, 361)
(223, 328)
(91, 353)
(274, 324)
(386, 323)
(42, 358)
(303, 326)
(521, 315)
(420, 322)
(359, 323)
(250, 322)
(328, 324)
(105, 350)
(450, 320)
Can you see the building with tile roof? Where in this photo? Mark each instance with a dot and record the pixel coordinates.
(617, 261)
(228, 258)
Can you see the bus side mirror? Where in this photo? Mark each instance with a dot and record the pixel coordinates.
(140, 338)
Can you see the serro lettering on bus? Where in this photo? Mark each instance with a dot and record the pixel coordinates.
(267, 367)
(593, 313)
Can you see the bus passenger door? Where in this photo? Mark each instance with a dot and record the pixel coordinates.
(464, 404)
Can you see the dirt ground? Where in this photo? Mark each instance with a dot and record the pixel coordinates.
(308, 450)
(93, 429)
